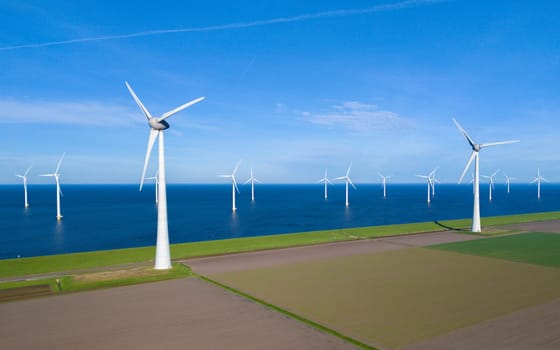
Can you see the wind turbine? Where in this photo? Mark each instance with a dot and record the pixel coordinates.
(538, 180)
(252, 180)
(491, 184)
(156, 182)
(384, 183)
(233, 185)
(24, 178)
(429, 182)
(326, 181)
(434, 180)
(157, 126)
(476, 147)
(348, 181)
(508, 181)
(56, 176)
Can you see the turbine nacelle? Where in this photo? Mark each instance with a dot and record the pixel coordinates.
(158, 125)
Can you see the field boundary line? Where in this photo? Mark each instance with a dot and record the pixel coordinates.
(287, 313)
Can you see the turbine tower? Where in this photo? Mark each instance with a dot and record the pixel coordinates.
(252, 180)
(384, 183)
(491, 184)
(538, 180)
(56, 176)
(326, 181)
(476, 147)
(348, 181)
(156, 183)
(508, 181)
(429, 182)
(233, 186)
(24, 178)
(157, 126)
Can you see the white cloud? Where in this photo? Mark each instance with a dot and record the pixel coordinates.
(358, 117)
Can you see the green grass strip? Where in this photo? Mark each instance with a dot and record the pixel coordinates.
(533, 248)
(290, 314)
(96, 259)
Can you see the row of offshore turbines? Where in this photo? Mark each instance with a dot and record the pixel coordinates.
(159, 124)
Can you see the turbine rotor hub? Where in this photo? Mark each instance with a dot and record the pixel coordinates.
(154, 124)
(476, 147)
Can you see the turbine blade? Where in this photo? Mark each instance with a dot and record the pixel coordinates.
(348, 171)
(534, 180)
(488, 144)
(340, 178)
(223, 175)
(257, 181)
(235, 184)
(350, 181)
(381, 176)
(495, 172)
(151, 140)
(246, 182)
(329, 181)
(471, 141)
(235, 170)
(138, 102)
(47, 175)
(27, 171)
(471, 158)
(178, 109)
(59, 162)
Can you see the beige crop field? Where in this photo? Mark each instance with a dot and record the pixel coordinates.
(394, 298)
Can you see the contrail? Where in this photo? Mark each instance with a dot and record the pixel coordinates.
(238, 25)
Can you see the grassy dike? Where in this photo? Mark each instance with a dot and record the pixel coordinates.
(101, 259)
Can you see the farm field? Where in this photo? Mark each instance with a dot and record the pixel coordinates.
(395, 298)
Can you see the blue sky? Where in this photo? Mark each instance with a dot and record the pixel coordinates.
(291, 88)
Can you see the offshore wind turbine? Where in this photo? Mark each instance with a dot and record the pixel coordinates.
(348, 181)
(24, 178)
(157, 126)
(326, 181)
(538, 180)
(156, 183)
(508, 181)
(491, 183)
(233, 186)
(56, 176)
(252, 180)
(429, 182)
(476, 147)
(384, 183)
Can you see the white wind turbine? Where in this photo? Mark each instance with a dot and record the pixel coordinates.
(429, 182)
(348, 181)
(326, 181)
(233, 185)
(476, 147)
(434, 181)
(491, 183)
(24, 178)
(538, 180)
(508, 181)
(157, 126)
(252, 180)
(56, 176)
(156, 183)
(384, 183)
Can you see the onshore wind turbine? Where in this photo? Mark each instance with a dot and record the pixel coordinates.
(434, 180)
(157, 126)
(348, 181)
(538, 180)
(491, 184)
(429, 182)
(233, 185)
(252, 180)
(326, 181)
(56, 176)
(476, 147)
(156, 183)
(508, 181)
(24, 178)
(384, 183)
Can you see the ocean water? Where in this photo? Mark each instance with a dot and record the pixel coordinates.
(99, 217)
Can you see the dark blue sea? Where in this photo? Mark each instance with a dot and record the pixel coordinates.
(99, 217)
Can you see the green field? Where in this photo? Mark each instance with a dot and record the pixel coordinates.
(88, 260)
(394, 298)
(534, 248)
